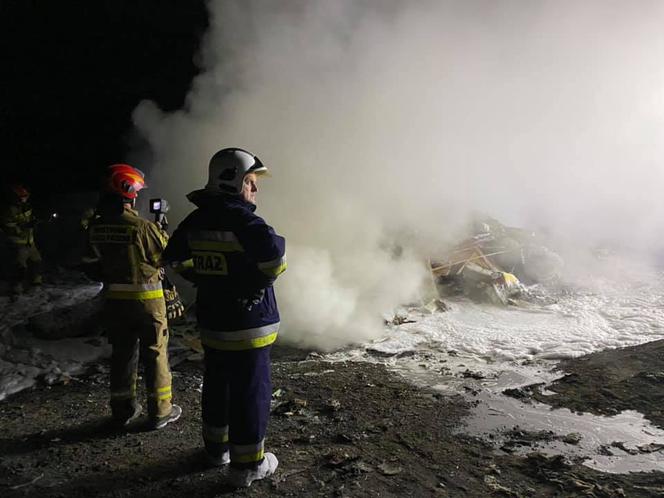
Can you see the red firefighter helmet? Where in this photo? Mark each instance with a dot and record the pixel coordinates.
(21, 192)
(125, 180)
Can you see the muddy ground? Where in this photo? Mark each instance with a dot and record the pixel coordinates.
(611, 381)
(338, 429)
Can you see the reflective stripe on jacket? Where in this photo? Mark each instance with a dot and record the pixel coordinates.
(235, 258)
(141, 292)
(237, 340)
(129, 248)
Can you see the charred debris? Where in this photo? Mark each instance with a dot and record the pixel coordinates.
(494, 264)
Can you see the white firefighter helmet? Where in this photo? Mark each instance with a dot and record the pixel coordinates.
(228, 168)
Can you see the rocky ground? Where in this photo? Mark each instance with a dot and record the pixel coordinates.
(339, 429)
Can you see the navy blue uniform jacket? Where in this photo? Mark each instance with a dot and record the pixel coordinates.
(233, 257)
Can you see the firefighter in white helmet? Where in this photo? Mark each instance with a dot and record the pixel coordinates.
(234, 258)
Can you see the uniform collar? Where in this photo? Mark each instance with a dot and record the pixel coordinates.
(128, 209)
(206, 198)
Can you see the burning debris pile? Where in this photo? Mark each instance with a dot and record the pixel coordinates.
(492, 263)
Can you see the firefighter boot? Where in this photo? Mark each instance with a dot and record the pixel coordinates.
(161, 422)
(242, 478)
(122, 423)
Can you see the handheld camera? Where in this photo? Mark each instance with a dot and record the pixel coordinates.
(159, 207)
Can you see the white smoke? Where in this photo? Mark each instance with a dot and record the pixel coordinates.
(386, 123)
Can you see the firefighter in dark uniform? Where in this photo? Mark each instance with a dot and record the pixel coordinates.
(17, 222)
(129, 249)
(233, 257)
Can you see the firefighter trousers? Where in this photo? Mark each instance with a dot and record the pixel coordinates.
(237, 390)
(26, 266)
(135, 326)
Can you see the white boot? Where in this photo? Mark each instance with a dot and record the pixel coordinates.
(242, 478)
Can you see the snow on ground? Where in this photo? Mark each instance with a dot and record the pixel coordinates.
(70, 289)
(23, 358)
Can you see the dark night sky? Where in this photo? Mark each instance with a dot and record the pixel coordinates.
(73, 71)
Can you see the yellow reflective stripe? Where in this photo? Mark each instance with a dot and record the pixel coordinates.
(273, 268)
(208, 245)
(135, 291)
(135, 295)
(254, 457)
(237, 335)
(161, 393)
(275, 271)
(215, 438)
(181, 266)
(247, 453)
(272, 263)
(161, 397)
(255, 343)
(215, 434)
(126, 394)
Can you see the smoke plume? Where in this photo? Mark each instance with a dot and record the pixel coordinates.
(386, 123)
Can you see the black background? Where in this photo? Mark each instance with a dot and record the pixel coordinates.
(72, 73)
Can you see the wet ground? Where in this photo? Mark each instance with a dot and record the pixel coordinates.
(611, 381)
(339, 429)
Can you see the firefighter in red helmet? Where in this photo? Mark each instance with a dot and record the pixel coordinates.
(17, 223)
(129, 250)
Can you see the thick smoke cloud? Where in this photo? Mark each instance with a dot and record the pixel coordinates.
(386, 123)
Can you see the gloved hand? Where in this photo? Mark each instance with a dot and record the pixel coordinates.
(249, 302)
(174, 306)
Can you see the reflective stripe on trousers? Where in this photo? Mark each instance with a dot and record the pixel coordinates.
(135, 291)
(238, 340)
(126, 394)
(247, 453)
(161, 393)
(236, 393)
(20, 241)
(215, 434)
